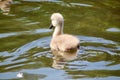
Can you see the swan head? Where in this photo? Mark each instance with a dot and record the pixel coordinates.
(56, 20)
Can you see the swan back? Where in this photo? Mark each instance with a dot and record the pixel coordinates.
(65, 43)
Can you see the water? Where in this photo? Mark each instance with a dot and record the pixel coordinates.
(25, 38)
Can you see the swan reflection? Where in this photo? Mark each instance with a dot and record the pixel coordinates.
(5, 6)
(60, 58)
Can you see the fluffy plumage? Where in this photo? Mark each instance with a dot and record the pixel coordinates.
(62, 42)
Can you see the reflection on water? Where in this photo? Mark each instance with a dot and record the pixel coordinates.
(24, 40)
(113, 30)
(5, 6)
(60, 58)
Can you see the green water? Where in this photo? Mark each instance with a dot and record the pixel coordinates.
(25, 38)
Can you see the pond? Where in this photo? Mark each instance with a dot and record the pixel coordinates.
(25, 39)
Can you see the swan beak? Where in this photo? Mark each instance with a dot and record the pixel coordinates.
(51, 26)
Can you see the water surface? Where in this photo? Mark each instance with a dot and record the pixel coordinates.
(25, 38)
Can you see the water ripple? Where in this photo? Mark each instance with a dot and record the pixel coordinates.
(37, 31)
(90, 59)
(41, 0)
(81, 4)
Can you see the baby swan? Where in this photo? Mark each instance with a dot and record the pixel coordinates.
(62, 42)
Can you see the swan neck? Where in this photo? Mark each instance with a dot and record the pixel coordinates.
(58, 31)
